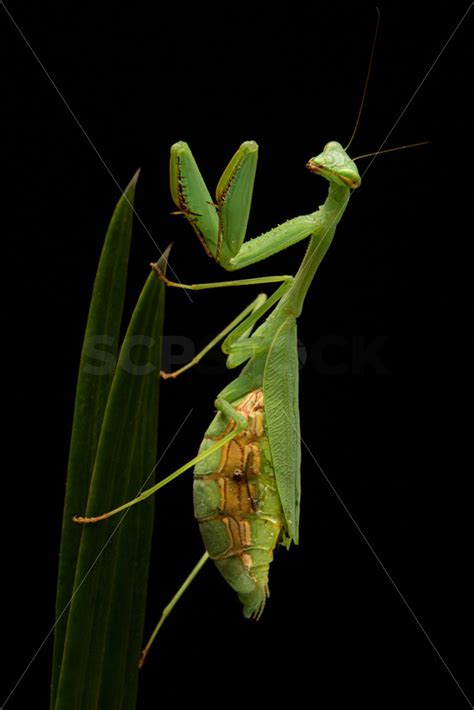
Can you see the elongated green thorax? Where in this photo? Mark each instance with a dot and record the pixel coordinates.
(335, 165)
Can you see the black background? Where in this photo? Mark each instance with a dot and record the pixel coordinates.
(386, 330)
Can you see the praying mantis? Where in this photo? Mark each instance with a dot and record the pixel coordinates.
(247, 470)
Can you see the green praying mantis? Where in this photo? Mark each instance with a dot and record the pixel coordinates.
(247, 471)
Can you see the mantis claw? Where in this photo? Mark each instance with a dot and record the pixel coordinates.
(160, 274)
(167, 375)
(80, 520)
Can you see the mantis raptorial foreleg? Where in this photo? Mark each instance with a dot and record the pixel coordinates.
(221, 225)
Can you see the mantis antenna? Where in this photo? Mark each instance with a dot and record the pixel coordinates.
(364, 93)
(390, 150)
(366, 79)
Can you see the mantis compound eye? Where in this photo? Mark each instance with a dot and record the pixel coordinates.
(331, 145)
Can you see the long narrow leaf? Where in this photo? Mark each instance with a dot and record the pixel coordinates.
(102, 646)
(103, 327)
(104, 568)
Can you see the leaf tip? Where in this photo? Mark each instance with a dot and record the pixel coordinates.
(162, 262)
(134, 180)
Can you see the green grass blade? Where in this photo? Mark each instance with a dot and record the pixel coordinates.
(103, 327)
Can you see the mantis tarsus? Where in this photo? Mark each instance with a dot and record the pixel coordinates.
(247, 471)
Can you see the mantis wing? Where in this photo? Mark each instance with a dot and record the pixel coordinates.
(280, 389)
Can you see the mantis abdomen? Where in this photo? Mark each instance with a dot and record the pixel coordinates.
(237, 505)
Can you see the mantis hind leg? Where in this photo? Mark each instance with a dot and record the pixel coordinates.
(171, 605)
(229, 411)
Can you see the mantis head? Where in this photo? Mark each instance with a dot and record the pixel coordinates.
(335, 165)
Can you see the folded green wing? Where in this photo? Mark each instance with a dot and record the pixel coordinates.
(280, 388)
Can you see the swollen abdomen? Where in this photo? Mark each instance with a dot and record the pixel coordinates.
(237, 505)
